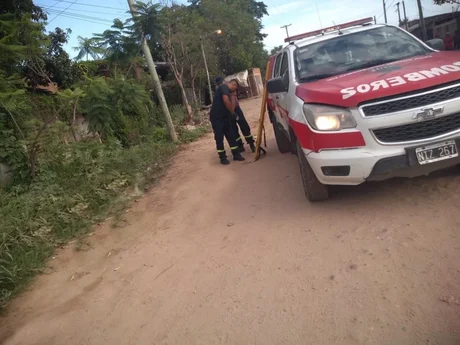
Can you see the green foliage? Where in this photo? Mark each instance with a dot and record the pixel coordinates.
(119, 44)
(19, 8)
(148, 23)
(119, 109)
(13, 154)
(276, 50)
(21, 39)
(56, 62)
(96, 106)
(88, 47)
(240, 46)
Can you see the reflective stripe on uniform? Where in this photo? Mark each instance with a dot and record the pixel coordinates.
(233, 147)
(248, 136)
(219, 151)
(239, 139)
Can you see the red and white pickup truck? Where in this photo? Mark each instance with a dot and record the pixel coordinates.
(361, 102)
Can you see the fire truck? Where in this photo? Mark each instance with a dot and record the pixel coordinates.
(363, 102)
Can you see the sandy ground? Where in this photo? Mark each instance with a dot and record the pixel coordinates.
(236, 255)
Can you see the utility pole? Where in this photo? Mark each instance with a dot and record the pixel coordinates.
(155, 79)
(286, 27)
(405, 16)
(218, 32)
(206, 68)
(385, 11)
(399, 13)
(422, 20)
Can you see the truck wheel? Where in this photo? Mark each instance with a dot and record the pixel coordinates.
(314, 190)
(283, 143)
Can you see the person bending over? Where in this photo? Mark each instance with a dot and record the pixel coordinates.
(221, 115)
(240, 121)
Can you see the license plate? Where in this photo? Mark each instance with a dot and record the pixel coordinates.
(437, 152)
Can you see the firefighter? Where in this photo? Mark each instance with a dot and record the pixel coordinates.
(221, 115)
(240, 121)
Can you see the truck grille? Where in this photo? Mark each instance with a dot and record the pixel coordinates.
(419, 130)
(416, 101)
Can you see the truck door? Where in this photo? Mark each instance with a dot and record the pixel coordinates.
(281, 99)
(271, 98)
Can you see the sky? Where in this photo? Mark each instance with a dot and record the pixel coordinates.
(86, 17)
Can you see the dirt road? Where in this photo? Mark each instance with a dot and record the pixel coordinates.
(236, 255)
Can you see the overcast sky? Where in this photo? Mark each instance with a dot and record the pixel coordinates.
(84, 18)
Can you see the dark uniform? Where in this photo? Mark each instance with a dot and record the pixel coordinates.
(220, 118)
(244, 126)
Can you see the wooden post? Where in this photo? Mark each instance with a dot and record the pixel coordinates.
(263, 110)
(156, 80)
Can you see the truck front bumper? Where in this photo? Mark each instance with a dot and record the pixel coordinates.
(355, 166)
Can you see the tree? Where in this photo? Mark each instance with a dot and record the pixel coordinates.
(119, 44)
(276, 50)
(176, 46)
(148, 23)
(54, 65)
(58, 65)
(240, 46)
(88, 47)
(19, 8)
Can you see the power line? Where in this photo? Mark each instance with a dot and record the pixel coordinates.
(319, 16)
(53, 11)
(387, 7)
(81, 10)
(91, 5)
(82, 16)
(88, 20)
(62, 12)
(276, 8)
(57, 3)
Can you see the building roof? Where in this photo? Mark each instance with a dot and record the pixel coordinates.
(433, 20)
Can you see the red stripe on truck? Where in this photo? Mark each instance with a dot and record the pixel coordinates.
(317, 141)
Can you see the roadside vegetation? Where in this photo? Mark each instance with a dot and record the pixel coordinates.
(79, 138)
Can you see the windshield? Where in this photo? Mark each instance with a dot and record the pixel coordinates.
(355, 51)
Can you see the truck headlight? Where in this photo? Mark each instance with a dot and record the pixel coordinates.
(325, 118)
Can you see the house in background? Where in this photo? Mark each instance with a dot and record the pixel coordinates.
(436, 26)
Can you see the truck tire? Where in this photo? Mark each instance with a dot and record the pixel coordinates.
(314, 190)
(283, 143)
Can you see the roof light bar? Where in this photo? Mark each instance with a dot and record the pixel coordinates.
(330, 28)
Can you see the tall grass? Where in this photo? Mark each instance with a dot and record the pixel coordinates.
(76, 186)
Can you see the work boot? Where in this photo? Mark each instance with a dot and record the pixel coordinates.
(253, 147)
(241, 148)
(238, 157)
(224, 161)
(223, 158)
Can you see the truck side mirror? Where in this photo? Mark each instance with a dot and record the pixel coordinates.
(436, 44)
(276, 85)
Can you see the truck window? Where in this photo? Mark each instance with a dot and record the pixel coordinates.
(284, 70)
(355, 51)
(277, 66)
